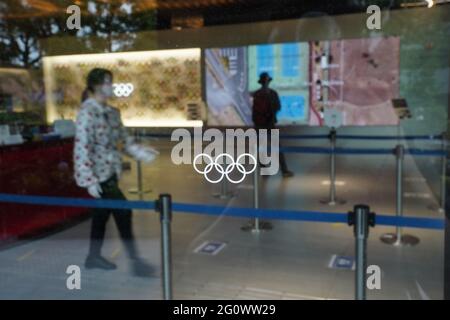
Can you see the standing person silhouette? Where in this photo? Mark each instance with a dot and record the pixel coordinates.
(98, 165)
(266, 104)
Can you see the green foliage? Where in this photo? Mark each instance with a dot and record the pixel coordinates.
(20, 38)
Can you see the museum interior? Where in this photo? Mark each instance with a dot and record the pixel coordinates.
(108, 107)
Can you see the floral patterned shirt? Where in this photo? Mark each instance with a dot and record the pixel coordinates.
(99, 134)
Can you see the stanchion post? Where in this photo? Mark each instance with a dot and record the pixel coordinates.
(139, 178)
(398, 238)
(256, 225)
(442, 181)
(164, 206)
(256, 194)
(224, 187)
(333, 167)
(446, 253)
(361, 218)
(332, 196)
(443, 173)
(140, 188)
(224, 193)
(400, 155)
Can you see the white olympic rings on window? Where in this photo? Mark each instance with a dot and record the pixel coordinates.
(224, 170)
(123, 89)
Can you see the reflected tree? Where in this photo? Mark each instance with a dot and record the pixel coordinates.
(23, 26)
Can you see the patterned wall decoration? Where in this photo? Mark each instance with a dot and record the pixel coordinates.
(152, 88)
(15, 90)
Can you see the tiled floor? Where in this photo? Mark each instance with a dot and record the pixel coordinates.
(288, 262)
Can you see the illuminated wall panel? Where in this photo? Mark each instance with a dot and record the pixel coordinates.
(152, 88)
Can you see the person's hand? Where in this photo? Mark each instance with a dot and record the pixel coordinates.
(147, 154)
(95, 190)
(144, 153)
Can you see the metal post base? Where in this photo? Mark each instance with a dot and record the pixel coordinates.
(405, 240)
(137, 191)
(436, 208)
(227, 195)
(333, 203)
(256, 228)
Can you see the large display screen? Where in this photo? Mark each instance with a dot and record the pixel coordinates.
(232, 75)
(358, 77)
(287, 64)
(227, 94)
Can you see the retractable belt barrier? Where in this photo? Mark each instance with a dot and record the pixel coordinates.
(326, 136)
(417, 137)
(362, 151)
(273, 214)
(361, 218)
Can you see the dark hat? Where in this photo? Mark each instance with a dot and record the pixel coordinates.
(264, 76)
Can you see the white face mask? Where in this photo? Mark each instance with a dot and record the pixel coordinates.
(107, 90)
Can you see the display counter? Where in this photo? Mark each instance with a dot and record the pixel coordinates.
(37, 168)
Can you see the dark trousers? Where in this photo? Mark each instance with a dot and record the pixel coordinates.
(281, 158)
(122, 217)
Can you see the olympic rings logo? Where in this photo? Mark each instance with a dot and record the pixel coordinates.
(123, 89)
(224, 171)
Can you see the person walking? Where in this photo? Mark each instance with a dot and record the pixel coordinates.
(98, 165)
